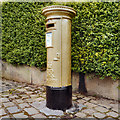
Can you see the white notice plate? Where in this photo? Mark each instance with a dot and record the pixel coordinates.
(49, 39)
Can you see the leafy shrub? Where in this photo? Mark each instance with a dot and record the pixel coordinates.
(95, 36)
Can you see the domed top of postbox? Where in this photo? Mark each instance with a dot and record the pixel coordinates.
(58, 11)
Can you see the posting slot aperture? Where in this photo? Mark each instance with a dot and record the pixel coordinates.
(50, 25)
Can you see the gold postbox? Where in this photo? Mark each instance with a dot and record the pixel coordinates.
(58, 44)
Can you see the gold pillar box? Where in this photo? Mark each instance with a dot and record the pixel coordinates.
(58, 44)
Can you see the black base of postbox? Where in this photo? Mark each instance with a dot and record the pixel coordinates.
(59, 98)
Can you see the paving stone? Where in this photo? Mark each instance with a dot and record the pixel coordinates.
(91, 117)
(27, 87)
(74, 98)
(109, 118)
(2, 112)
(4, 99)
(13, 109)
(44, 96)
(33, 96)
(39, 116)
(99, 115)
(80, 96)
(81, 101)
(31, 111)
(93, 101)
(7, 116)
(88, 111)
(21, 90)
(48, 111)
(31, 89)
(87, 98)
(19, 100)
(29, 92)
(40, 88)
(90, 105)
(101, 109)
(23, 105)
(29, 100)
(8, 104)
(39, 99)
(116, 109)
(20, 115)
(14, 96)
(0, 105)
(24, 96)
(74, 95)
(112, 114)
(39, 105)
(114, 105)
(5, 95)
(81, 106)
(50, 117)
(106, 106)
(81, 115)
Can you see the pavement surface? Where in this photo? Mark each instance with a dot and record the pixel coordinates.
(22, 100)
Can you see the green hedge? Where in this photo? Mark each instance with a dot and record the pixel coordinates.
(95, 36)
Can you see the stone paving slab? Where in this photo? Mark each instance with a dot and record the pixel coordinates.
(38, 116)
(13, 109)
(26, 100)
(2, 112)
(20, 115)
(8, 104)
(31, 111)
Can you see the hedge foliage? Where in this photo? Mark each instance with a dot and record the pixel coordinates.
(95, 36)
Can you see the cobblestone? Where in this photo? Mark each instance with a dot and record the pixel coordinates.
(19, 100)
(87, 98)
(93, 101)
(50, 112)
(8, 104)
(88, 111)
(13, 109)
(81, 106)
(2, 112)
(7, 116)
(101, 109)
(39, 116)
(20, 115)
(90, 105)
(74, 98)
(33, 96)
(81, 101)
(29, 101)
(14, 96)
(81, 115)
(99, 115)
(112, 114)
(31, 111)
(23, 105)
(39, 99)
(4, 100)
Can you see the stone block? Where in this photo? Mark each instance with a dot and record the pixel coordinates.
(20, 115)
(31, 111)
(13, 109)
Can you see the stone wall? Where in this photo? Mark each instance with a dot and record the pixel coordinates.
(95, 86)
(26, 74)
(107, 87)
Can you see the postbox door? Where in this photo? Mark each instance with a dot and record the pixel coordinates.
(53, 44)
